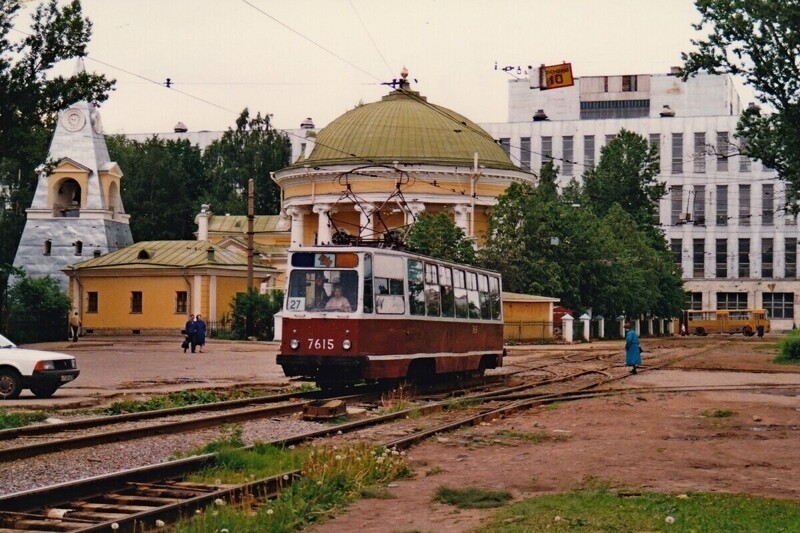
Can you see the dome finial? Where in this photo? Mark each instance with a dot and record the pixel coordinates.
(404, 73)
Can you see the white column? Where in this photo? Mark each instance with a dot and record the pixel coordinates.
(323, 224)
(637, 326)
(461, 214)
(415, 209)
(601, 327)
(367, 222)
(566, 327)
(196, 286)
(585, 318)
(297, 214)
(212, 299)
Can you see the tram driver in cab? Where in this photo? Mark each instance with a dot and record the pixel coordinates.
(338, 302)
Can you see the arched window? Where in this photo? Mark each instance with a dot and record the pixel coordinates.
(48, 246)
(143, 254)
(78, 246)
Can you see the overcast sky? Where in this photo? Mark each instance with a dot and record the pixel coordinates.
(320, 58)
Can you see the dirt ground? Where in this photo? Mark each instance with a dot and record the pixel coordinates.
(667, 442)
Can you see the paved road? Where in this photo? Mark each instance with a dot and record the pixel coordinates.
(115, 366)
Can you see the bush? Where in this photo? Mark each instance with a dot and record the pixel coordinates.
(37, 310)
(262, 308)
(790, 347)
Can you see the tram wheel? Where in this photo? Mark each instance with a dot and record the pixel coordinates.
(700, 331)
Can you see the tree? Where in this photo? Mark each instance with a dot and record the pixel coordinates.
(254, 150)
(627, 175)
(163, 185)
(759, 41)
(38, 310)
(261, 308)
(437, 236)
(31, 98)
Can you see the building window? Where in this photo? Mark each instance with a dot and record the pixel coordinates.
(699, 207)
(790, 257)
(695, 300)
(676, 245)
(700, 152)
(547, 149)
(744, 205)
(48, 247)
(698, 257)
(181, 302)
(745, 162)
(722, 205)
(77, 247)
(767, 203)
(655, 140)
(629, 84)
(525, 153)
(91, 302)
(505, 144)
(722, 258)
(723, 150)
(568, 155)
(731, 300)
(779, 304)
(677, 153)
(136, 302)
(588, 151)
(610, 138)
(676, 204)
(766, 258)
(744, 258)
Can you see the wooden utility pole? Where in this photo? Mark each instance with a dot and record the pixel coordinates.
(250, 219)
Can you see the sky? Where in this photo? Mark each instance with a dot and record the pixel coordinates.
(320, 58)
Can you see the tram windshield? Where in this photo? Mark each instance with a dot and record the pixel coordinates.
(323, 290)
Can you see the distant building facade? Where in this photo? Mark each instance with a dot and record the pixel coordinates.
(725, 216)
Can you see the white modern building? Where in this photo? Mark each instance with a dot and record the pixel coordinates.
(724, 216)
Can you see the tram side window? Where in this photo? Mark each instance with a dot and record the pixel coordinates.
(432, 295)
(446, 287)
(460, 293)
(483, 293)
(389, 296)
(416, 288)
(368, 302)
(472, 295)
(494, 296)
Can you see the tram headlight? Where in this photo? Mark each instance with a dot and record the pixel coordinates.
(294, 344)
(346, 344)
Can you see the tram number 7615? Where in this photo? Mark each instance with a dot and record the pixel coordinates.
(320, 344)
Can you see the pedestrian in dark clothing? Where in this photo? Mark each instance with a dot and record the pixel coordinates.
(633, 352)
(200, 332)
(760, 331)
(190, 330)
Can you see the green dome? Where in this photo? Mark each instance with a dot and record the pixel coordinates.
(404, 127)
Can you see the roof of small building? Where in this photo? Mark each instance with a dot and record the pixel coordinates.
(236, 224)
(168, 254)
(532, 298)
(404, 127)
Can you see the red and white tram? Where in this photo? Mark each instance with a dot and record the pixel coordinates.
(354, 314)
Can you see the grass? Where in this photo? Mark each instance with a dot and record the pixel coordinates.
(719, 413)
(537, 437)
(472, 497)
(18, 419)
(605, 510)
(395, 400)
(180, 399)
(331, 477)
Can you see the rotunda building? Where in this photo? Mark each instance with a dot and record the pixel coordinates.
(376, 168)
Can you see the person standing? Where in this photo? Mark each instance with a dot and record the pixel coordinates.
(200, 332)
(74, 327)
(633, 352)
(191, 339)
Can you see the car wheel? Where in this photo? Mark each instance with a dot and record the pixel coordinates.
(10, 384)
(43, 392)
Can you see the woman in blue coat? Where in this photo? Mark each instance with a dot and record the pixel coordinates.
(200, 332)
(633, 353)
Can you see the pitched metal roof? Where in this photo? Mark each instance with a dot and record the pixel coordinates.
(168, 254)
(233, 224)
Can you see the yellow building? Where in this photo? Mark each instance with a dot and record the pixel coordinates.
(152, 286)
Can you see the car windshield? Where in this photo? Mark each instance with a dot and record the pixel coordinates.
(5, 343)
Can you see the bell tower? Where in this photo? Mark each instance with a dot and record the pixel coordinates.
(77, 210)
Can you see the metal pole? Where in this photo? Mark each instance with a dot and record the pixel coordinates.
(250, 218)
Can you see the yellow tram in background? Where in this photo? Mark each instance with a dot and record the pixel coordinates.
(744, 321)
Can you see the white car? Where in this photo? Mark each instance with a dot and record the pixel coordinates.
(41, 372)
